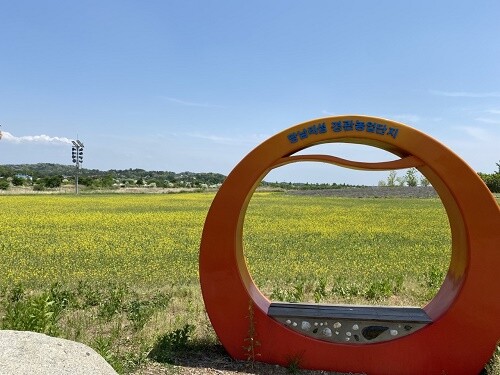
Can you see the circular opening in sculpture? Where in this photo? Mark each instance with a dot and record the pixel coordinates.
(384, 245)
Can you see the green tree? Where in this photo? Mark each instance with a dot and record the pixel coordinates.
(4, 184)
(84, 180)
(492, 181)
(6, 171)
(52, 181)
(17, 181)
(424, 181)
(107, 181)
(38, 187)
(391, 179)
(401, 181)
(411, 177)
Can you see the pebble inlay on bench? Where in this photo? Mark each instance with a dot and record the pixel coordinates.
(349, 324)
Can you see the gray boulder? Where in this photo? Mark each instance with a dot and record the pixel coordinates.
(23, 353)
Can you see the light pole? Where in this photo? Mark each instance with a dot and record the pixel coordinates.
(77, 157)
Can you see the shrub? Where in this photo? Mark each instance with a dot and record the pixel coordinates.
(52, 181)
(139, 312)
(4, 184)
(492, 181)
(37, 314)
(172, 342)
(38, 187)
(379, 290)
(113, 302)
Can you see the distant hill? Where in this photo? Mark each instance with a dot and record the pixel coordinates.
(43, 170)
(135, 177)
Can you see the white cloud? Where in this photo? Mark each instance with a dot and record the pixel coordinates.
(487, 120)
(409, 118)
(191, 104)
(325, 112)
(477, 146)
(253, 139)
(466, 94)
(493, 111)
(478, 134)
(6, 136)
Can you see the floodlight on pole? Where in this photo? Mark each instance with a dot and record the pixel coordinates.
(77, 158)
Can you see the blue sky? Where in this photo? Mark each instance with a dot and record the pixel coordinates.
(196, 85)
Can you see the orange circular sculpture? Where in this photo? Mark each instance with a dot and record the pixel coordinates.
(456, 333)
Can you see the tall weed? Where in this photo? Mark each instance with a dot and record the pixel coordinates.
(37, 313)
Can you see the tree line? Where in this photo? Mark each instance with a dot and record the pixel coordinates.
(46, 176)
(492, 180)
(413, 178)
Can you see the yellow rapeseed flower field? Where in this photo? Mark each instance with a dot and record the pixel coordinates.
(154, 239)
(347, 243)
(120, 272)
(127, 238)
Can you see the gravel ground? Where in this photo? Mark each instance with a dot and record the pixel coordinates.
(240, 368)
(214, 360)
